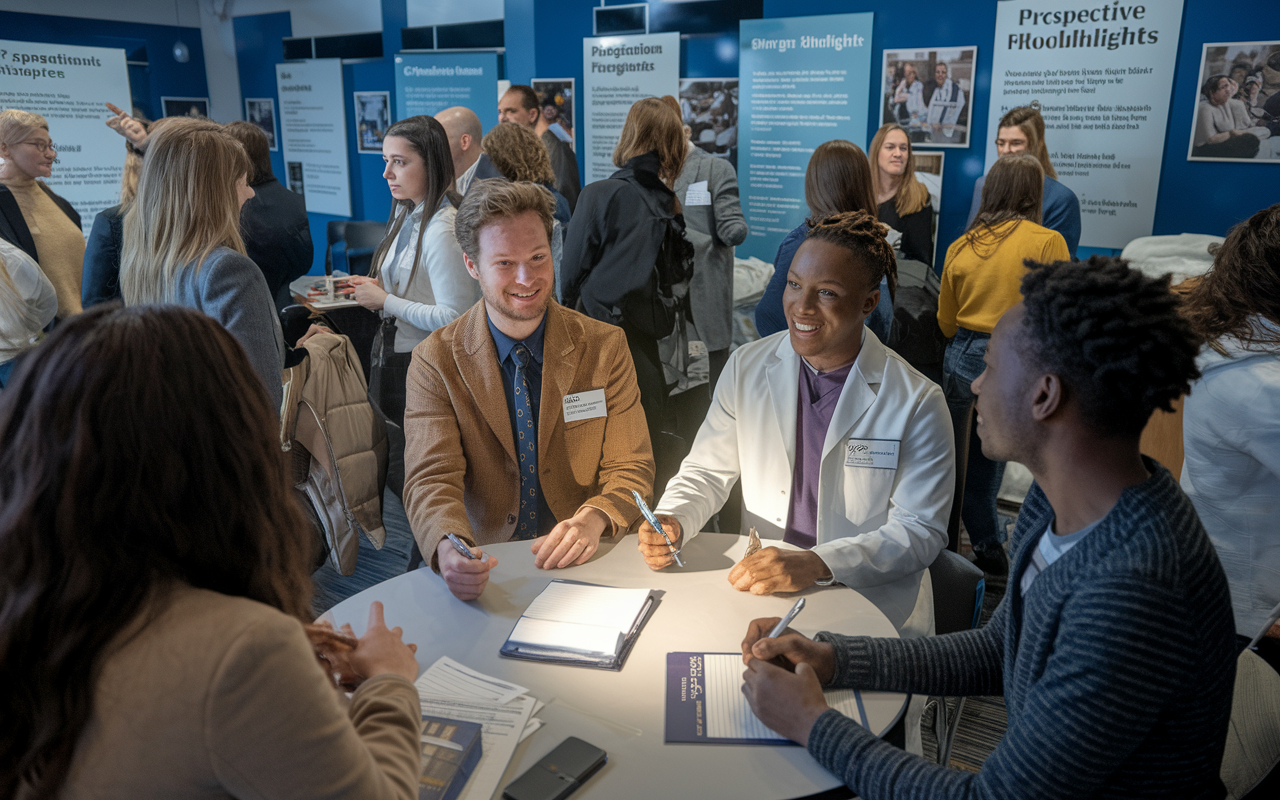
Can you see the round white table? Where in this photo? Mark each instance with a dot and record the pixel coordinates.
(624, 712)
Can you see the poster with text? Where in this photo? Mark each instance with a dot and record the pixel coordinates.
(428, 83)
(313, 133)
(1237, 112)
(555, 96)
(804, 81)
(709, 107)
(618, 71)
(1103, 75)
(68, 86)
(929, 91)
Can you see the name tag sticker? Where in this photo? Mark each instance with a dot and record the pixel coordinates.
(697, 194)
(874, 453)
(585, 405)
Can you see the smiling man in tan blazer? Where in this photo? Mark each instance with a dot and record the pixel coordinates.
(523, 418)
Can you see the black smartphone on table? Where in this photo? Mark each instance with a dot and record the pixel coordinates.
(559, 773)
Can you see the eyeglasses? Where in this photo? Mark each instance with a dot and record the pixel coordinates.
(43, 147)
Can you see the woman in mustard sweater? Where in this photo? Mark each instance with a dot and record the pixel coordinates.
(980, 282)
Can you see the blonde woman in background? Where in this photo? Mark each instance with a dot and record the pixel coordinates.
(28, 302)
(182, 241)
(32, 216)
(101, 279)
(902, 202)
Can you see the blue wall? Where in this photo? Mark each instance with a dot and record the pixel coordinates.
(1197, 197)
(164, 77)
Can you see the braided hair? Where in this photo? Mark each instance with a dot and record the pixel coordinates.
(860, 234)
(1114, 336)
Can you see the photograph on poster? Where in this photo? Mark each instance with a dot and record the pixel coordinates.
(373, 117)
(1238, 104)
(296, 184)
(927, 90)
(261, 111)
(185, 106)
(710, 109)
(555, 97)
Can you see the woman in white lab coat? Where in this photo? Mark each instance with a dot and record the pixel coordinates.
(872, 484)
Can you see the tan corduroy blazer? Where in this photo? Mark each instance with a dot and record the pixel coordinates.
(461, 474)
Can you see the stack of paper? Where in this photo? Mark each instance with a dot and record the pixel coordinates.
(579, 623)
(504, 711)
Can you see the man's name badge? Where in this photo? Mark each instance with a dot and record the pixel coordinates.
(874, 453)
(585, 405)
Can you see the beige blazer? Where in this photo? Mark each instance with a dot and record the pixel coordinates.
(219, 697)
(461, 473)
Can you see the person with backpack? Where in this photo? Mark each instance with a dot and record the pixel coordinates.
(626, 258)
(843, 449)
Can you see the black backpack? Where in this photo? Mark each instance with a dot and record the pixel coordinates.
(654, 310)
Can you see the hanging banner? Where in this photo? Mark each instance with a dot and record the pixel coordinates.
(68, 86)
(428, 83)
(313, 133)
(1102, 74)
(804, 81)
(618, 71)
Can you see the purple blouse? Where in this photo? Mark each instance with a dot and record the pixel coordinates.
(819, 393)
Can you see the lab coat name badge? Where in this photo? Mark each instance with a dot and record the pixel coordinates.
(874, 453)
(585, 405)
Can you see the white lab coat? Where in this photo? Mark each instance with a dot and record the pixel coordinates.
(878, 529)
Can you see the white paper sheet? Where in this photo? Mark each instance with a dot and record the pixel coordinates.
(502, 728)
(729, 715)
(449, 678)
(605, 606)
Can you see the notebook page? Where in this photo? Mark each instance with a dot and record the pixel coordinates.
(603, 606)
(567, 636)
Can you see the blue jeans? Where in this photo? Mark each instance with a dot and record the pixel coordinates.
(961, 364)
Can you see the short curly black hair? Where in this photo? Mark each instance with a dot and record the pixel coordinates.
(1113, 335)
(864, 237)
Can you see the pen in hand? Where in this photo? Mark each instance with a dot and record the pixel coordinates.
(657, 526)
(785, 621)
(462, 548)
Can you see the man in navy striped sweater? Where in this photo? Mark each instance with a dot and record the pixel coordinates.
(1114, 644)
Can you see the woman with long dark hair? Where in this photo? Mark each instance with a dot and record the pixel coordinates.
(154, 567)
(418, 279)
(980, 281)
(837, 180)
(1231, 420)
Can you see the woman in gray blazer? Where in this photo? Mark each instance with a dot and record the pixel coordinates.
(182, 242)
(714, 224)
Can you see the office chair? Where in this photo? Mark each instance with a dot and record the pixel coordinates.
(958, 588)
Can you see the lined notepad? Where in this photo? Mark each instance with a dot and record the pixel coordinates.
(579, 623)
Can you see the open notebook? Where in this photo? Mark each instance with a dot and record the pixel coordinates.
(580, 624)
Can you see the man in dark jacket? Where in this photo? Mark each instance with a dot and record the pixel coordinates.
(1114, 646)
(274, 223)
(520, 104)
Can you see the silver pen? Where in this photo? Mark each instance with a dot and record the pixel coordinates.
(462, 548)
(657, 526)
(785, 621)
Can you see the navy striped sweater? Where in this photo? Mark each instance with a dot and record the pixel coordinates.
(1117, 668)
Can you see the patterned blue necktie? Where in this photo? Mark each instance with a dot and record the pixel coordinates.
(526, 446)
